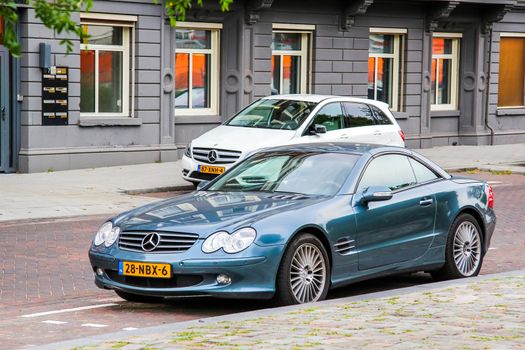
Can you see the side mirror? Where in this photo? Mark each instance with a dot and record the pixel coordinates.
(375, 194)
(316, 129)
(202, 184)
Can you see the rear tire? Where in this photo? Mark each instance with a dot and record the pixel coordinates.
(463, 252)
(137, 298)
(304, 273)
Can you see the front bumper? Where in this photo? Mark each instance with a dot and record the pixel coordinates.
(191, 173)
(251, 276)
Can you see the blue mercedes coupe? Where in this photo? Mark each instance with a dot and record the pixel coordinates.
(292, 222)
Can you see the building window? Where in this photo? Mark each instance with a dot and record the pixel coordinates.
(104, 69)
(384, 67)
(511, 92)
(290, 61)
(445, 71)
(196, 69)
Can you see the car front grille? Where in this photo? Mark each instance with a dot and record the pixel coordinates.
(224, 156)
(170, 242)
(202, 176)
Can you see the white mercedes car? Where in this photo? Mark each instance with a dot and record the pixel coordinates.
(287, 119)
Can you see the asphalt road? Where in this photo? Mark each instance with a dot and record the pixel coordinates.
(47, 292)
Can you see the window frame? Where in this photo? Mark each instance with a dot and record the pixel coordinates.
(214, 52)
(454, 84)
(398, 56)
(439, 176)
(127, 23)
(510, 35)
(305, 53)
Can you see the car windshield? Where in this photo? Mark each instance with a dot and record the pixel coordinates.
(273, 114)
(291, 172)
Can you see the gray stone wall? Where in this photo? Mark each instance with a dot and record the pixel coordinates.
(339, 67)
(101, 143)
(508, 124)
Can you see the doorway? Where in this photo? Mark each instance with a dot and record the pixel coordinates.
(7, 121)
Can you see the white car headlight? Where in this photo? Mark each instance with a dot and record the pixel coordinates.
(107, 234)
(234, 243)
(215, 242)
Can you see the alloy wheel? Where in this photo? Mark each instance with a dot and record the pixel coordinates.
(307, 273)
(467, 248)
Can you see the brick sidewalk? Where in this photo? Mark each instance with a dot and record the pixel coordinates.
(473, 313)
(31, 280)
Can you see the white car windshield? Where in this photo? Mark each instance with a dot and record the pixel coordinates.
(273, 114)
(307, 173)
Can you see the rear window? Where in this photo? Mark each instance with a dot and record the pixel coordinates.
(381, 117)
(358, 114)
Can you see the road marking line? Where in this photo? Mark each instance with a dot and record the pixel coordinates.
(54, 322)
(94, 325)
(129, 328)
(69, 310)
(493, 248)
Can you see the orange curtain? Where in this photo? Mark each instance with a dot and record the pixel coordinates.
(511, 72)
(182, 66)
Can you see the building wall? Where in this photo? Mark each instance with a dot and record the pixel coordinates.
(86, 142)
(339, 67)
(508, 124)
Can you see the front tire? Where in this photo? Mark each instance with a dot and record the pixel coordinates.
(137, 298)
(463, 254)
(304, 274)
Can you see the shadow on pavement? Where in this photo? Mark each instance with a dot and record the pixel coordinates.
(199, 306)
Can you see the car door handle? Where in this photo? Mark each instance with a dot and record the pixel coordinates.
(426, 202)
(344, 136)
(378, 132)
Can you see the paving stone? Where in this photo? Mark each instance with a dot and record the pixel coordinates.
(427, 322)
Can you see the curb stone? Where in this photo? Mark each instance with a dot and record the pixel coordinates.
(159, 189)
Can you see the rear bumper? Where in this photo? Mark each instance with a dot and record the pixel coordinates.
(490, 226)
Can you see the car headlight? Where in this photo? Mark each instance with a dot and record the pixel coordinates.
(230, 243)
(107, 234)
(187, 152)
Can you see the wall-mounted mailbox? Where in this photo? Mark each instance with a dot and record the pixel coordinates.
(55, 96)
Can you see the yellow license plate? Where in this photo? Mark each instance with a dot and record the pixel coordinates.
(139, 269)
(208, 169)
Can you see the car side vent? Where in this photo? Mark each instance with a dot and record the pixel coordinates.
(344, 245)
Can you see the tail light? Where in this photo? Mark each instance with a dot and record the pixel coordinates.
(402, 134)
(490, 196)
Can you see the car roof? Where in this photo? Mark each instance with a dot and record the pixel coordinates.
(320, 98)
(337, 147)
(356, 149)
